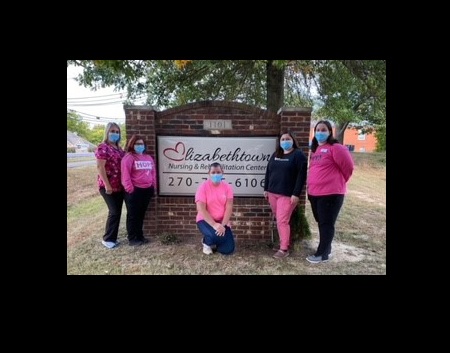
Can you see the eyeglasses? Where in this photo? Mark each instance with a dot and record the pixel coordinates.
(115, 131)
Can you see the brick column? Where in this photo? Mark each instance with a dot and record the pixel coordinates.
(140, 120)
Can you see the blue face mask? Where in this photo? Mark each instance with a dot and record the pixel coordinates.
(114, 137)
(286, 145)
(139, 148)
(216, 178)
(321, 136)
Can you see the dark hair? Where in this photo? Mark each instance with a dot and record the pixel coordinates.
(331, 140)
(279, 152)
(215, 165)
(129, 147)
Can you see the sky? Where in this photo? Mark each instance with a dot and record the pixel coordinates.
(94, 107)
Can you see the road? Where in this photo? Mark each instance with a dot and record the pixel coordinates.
(81, 163)
(81, 155)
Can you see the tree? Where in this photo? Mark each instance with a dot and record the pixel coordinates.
(77, 125)
(348, 91)
(352, 92)
(96, 134)
(169, 83)
(381, 138)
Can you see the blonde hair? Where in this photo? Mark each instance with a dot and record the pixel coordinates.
(107, 128)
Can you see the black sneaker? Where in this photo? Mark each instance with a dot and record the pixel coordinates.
(144, 240)
(135, 242)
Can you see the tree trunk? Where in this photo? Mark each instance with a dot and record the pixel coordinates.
(340, 130)
(275, 87)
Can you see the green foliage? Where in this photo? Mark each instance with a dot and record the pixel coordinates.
(166, 84)
(169, 238)
(71, 150)
(381, 138)
(352, 91)
(76, 125)
(299, 225)
(123, 132)
(96, 134)
(348, 90)
(238, 80)
(300, 229)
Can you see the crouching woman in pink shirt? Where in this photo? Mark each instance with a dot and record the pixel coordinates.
(139, 181)
(214, 200)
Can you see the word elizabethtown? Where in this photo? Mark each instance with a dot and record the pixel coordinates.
(235, 155)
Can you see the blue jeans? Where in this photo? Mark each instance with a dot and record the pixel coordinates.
(225, 244)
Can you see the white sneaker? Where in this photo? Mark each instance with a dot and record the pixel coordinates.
(207, 249)
(109, 244)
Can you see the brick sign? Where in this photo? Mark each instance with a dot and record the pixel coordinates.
(183, 162)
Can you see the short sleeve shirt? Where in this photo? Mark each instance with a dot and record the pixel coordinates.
(113, 157)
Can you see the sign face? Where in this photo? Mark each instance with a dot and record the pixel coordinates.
(183, 163)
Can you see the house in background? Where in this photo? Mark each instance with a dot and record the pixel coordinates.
(354, 139)
(359, 142)
(78, 143)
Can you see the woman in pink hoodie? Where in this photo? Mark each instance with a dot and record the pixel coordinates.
(330, 168)
(138, 171)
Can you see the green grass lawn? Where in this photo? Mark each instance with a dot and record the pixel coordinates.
(359, 247)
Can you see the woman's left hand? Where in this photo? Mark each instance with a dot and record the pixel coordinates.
(220, 230)
(294, 200)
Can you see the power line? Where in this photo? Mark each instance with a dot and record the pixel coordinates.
(91, 104)
(104, 95)
(104, 101)
(93, 117)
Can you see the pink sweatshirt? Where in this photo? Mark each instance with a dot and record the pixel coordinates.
(138, 170)
(330, 167)
(215, 197)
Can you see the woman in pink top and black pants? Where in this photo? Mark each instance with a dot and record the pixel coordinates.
(330, 168)
(139, 181)
(109, 155)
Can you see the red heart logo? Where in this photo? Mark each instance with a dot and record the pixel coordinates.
(175, 154)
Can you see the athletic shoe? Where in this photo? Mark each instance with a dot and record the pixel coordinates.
(109, 244)
(207, 249)
(281, 254)
(135, 242)
(315, 259)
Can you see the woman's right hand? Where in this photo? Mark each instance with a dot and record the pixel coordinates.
(265, 194)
